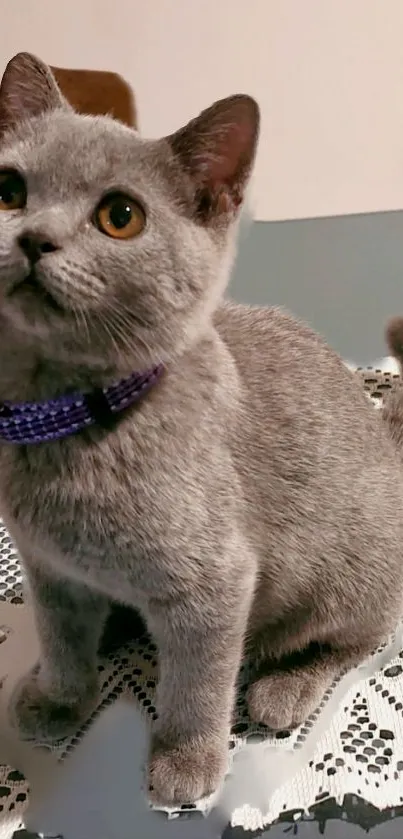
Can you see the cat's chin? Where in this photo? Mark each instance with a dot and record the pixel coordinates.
(29, 308)
(32, 289)
(25, 316)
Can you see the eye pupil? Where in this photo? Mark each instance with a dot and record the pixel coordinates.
(7, 192)
(12, 191)
(120, 214)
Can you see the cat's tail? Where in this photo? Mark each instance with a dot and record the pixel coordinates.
(394, 339)
(392, 410)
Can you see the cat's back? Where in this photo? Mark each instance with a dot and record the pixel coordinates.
(306, 427)
(282, 360)
(318, 468)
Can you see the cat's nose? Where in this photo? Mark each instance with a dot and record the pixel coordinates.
(35, 245)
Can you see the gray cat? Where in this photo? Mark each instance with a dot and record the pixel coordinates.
(249, 502)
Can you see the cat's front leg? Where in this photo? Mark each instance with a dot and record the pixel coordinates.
(54, 698)
(200, 647)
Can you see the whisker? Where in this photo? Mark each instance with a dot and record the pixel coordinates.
(118, 324)
(121, 326)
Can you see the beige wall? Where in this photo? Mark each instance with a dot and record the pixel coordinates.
(327, 73)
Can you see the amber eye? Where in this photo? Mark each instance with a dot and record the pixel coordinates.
(13, 192)
(120, 216)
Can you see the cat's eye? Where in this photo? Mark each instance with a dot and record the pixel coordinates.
(120, 216)
(13, 191)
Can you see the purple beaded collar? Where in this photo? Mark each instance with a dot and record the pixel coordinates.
(41, 422)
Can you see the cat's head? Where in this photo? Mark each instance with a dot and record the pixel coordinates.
(114, 248)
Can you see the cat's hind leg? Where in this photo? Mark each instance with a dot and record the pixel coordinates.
(286, 692)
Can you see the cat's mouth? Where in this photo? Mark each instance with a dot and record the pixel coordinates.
(33, 286)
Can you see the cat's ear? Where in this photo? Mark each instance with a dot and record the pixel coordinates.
(217, 150)
(27, 89)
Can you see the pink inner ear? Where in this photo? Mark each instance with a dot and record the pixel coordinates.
(227, 163)
(218, 147)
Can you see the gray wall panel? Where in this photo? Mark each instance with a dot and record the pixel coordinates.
(344, 275)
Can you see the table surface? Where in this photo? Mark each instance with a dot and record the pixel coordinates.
(354, 819)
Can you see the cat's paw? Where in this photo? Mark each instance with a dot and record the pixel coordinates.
(183, 773)
(39, 717)
(284, 700)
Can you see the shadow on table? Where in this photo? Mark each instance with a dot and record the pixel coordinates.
(353, 817)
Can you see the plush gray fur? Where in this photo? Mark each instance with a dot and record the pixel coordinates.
(252, 501)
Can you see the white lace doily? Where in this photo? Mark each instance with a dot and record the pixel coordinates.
(352, 744)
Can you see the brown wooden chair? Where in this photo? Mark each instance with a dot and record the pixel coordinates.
(98, 92)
